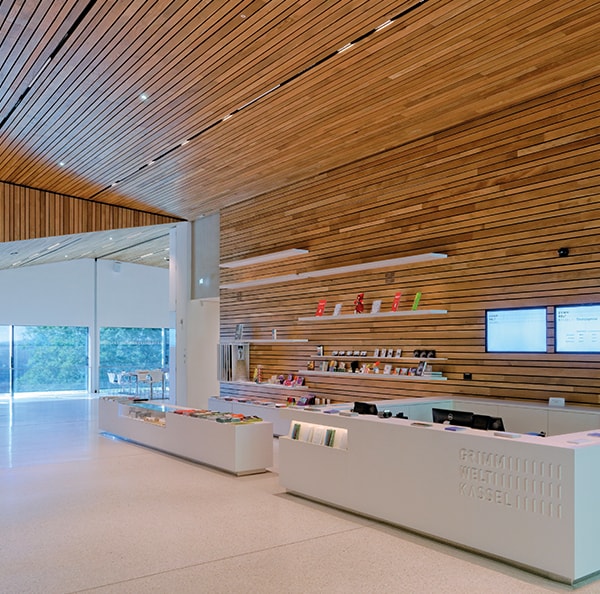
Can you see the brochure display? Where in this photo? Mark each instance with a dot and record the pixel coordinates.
(527, 499)
(236, 445)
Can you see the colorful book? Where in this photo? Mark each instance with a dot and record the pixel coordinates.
(321, 307)
(416, 301)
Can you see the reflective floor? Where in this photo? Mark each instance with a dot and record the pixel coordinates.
(82, 512)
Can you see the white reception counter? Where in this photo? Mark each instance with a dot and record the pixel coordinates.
(527, 499)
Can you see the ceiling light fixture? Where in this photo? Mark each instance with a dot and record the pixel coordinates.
(143, 97)
(383, 25)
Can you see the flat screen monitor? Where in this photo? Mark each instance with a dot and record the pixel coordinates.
(487, 423)
(577, 329)
(365, 408)
(452, 417)
(516, 330)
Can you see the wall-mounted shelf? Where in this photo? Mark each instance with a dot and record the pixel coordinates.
(371, 358)
(385, 376)
(273, 256)
(351, 268)
(269, 385)
(366, 316)
(273, 341)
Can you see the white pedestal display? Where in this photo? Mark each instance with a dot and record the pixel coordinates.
(233, 447)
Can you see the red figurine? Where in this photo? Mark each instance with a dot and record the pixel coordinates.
(359, 306)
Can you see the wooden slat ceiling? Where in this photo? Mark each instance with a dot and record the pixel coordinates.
(246, 96)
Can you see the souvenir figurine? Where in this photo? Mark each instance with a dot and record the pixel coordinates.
(359, 306)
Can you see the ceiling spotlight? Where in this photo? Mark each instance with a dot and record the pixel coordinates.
(62, 164)
(383, 25)
(143, 97)
(563, 252)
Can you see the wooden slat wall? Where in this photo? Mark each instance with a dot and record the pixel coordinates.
(27, 213)
(499, 195)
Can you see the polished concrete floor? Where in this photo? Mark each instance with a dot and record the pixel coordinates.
(83, 512)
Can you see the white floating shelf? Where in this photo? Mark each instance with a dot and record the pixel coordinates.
(366, 316)
(278, 340)
(267, 385)
(269, 341)
(281, 255)
(372, 358)
(351, 268)
(385, 376)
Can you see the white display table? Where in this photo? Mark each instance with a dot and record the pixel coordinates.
(527, 499)
(269, 411)
(234, 447)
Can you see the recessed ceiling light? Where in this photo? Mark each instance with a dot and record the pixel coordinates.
(143, 97)
(62, 163)
(384, 25)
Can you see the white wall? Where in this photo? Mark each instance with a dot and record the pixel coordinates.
(59, 294)
(202, 351)
(62, 294)
(133, 296)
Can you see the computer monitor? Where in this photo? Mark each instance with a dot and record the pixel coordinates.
(487, 423)
(452, 417)
(516, 330)
(577, 328)
(365, 408)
